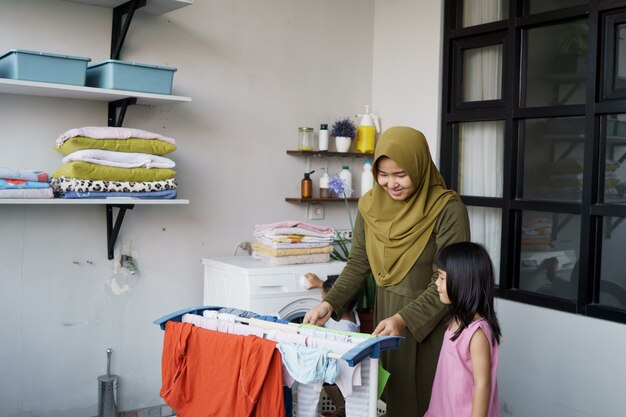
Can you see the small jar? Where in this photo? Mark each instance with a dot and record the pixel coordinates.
(305, 138)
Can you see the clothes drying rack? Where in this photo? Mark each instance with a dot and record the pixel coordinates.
(369, 349)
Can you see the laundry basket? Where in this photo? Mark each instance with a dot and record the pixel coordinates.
(326, 404)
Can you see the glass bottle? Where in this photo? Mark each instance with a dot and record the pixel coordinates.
(305, 138)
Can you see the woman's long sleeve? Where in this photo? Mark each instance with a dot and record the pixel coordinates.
(425, 312)
(354, 273)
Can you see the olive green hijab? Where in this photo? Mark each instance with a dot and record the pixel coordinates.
(396, 232)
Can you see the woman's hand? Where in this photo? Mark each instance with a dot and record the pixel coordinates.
(319, 314)
(392, 326)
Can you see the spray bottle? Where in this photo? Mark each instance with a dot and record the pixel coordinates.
(366, 132)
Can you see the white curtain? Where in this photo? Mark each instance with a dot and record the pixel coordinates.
(481, 143)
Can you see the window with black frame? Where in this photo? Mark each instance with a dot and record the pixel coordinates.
(534, 140)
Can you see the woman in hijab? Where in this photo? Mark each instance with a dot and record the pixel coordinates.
(402, 223)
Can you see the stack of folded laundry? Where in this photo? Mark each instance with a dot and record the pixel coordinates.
(18, 183)
(291, 242)
(105, 162)
(536, 234)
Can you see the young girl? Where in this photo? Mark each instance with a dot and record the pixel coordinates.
(465, 382)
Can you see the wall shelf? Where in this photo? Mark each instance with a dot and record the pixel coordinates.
(154, 7)
(319, 200)
(88, 201)
(35, 88)
(331, 154)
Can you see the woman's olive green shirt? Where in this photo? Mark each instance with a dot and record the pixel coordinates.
(415, 298)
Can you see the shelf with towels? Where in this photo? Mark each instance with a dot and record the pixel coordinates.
(118, 102)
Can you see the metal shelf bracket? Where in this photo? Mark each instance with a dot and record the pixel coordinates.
(114, 230)
(117, 110)
(122, 16)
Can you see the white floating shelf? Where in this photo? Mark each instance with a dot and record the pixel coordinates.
(34, 88)
(155, 7)
(91, 201)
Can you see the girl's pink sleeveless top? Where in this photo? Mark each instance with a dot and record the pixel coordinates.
(453, 386)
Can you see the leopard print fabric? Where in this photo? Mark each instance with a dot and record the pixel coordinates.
(62, 184)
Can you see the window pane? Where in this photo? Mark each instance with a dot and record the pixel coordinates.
(477, 12)
(549, 253)
(553, 158)
(482, 73)
(556, 65)
(481, 158)
(620, 57)
(612, 277)
(539, 6)
(614, 166)
(486, 227)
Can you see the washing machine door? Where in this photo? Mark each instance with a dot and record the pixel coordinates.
(295, 311)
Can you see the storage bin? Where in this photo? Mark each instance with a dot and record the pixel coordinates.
(125, 75)
(24, 65)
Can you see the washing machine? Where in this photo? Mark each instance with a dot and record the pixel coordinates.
(249, 284)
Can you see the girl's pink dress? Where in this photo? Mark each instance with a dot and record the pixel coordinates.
(453, 386)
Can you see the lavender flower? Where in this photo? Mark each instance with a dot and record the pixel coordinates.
(344, 127)
(337, 186)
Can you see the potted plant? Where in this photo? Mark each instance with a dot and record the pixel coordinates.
(344, 130)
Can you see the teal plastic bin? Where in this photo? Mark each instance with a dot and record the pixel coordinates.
(44, 67)
(131, 76)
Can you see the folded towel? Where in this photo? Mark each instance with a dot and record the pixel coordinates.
(106, 132)
(266, 250)
(27, 193)
(285, 245)
(120, 159)
(63, 184)
(326, 231)
(150, 195)
(23, 174)
(313, 258)
(6, 183)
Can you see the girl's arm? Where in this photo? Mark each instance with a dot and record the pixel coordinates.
(480, 353)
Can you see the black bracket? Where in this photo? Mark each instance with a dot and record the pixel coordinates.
(113, 231)
(116, 119)
(122, 16)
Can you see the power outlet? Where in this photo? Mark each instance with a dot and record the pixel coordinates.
(316, 212)
(344, 234)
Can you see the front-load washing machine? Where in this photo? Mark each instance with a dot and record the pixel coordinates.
(249, 284)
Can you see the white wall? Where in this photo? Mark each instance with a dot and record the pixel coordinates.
(407, 66)
(555, 364)
(256, 71)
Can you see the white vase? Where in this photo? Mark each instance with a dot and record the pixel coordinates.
(342, 143)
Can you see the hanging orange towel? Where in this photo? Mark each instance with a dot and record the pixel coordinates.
(209, 374)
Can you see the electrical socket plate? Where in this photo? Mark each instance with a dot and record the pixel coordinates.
(316, 212)
(345, 234)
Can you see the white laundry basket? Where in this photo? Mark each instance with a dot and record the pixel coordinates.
(326, 404)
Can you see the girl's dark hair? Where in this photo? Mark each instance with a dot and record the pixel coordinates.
(470, 283)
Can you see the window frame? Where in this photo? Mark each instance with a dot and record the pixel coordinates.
(591, 208)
